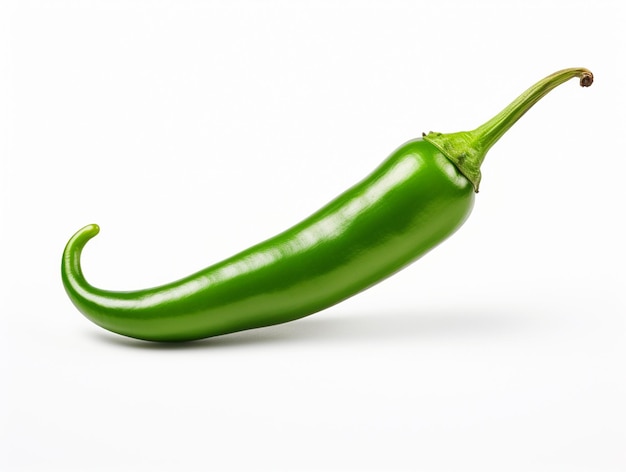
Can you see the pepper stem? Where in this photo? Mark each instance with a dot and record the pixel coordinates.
(467, 149)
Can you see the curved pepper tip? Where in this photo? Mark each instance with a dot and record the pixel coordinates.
(84, 234)
(90, 230)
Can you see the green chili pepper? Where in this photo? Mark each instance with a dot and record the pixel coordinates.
(413, 201)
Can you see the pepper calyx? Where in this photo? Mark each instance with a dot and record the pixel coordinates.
(460, 149)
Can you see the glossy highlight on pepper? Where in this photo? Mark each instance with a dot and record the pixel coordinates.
(419, 196)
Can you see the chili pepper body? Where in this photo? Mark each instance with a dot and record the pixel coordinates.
(414, 200)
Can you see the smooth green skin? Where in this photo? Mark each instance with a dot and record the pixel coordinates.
(413, 201)
(417, 198)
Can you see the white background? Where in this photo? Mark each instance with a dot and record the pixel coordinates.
(190, 130)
